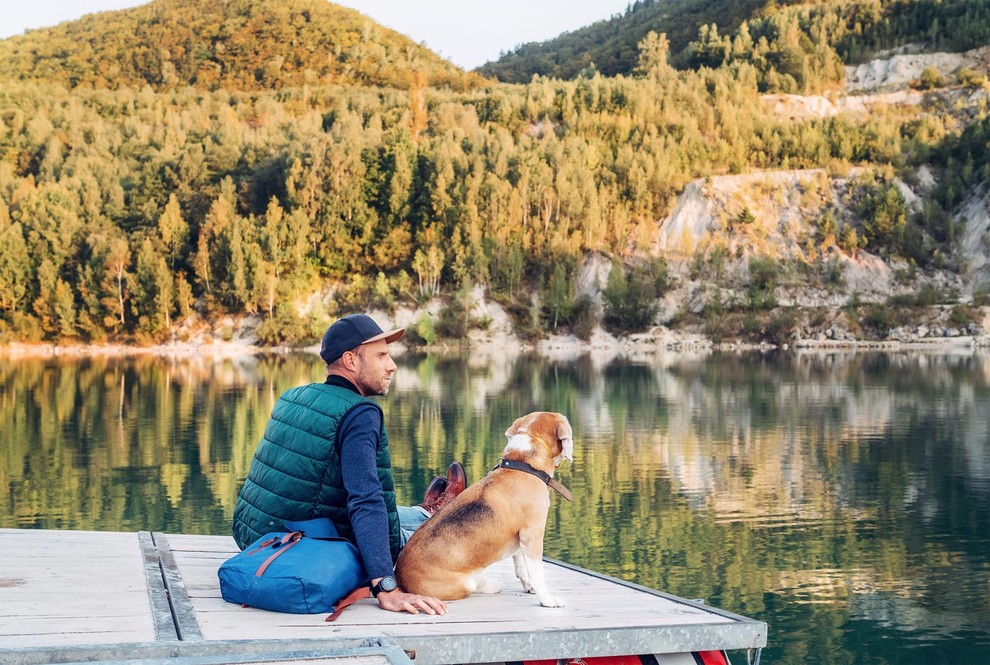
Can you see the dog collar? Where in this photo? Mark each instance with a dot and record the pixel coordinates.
(546, 445)
(542, 475)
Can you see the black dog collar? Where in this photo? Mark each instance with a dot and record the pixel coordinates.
(542, 475)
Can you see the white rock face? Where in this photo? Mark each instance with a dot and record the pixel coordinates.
(786, 209)
(593, 276)
(807, 107)
(785, 206)
(898, 71)
(690, 221)
(800, 107)
(974, 243)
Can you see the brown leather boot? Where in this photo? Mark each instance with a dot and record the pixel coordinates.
(456, 480)
(432, 498)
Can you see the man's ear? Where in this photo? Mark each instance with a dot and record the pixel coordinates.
(350, 360)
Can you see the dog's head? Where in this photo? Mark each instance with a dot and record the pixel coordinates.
(543, 428)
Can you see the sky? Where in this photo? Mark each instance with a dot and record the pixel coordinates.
(469, 33)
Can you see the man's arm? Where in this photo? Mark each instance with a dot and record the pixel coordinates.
(365, 497)
(366, 508)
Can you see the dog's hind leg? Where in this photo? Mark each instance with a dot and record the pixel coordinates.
(485, 584)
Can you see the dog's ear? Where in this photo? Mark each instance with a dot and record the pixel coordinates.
(566, 438)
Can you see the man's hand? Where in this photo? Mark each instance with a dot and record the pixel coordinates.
(400, 601)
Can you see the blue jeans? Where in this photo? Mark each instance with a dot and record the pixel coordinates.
(410, 519)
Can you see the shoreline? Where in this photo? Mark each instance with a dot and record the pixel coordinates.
(638, 346)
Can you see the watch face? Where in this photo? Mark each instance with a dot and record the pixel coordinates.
(387, 584)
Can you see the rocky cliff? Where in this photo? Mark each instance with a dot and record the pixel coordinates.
(719, 224)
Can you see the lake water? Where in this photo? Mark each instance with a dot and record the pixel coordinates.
(842, 498)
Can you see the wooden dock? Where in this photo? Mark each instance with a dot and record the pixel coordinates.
(73, 596)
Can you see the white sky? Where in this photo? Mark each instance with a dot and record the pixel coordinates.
(467, 32)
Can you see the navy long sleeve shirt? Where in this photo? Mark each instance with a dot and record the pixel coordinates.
(359, 441)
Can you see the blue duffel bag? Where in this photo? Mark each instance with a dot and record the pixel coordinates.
(304, 570)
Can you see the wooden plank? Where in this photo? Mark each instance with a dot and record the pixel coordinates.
(66, 606)
(207, 544)
(109, 636)
(81, 538)
(55, 590)
(72, 587)
(182, 610)
(158, 596)
(42, 625)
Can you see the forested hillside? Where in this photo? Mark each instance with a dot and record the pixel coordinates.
(796, 45)
(228, 44)
(611, 45)
(125, 211)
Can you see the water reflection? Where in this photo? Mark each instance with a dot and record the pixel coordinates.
(842, 498)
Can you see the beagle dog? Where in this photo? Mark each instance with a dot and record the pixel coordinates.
(503, 514)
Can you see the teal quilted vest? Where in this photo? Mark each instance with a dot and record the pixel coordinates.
(296, 472)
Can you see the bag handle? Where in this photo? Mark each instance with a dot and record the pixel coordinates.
(288, 540)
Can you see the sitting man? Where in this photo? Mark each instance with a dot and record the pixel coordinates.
(325, 453)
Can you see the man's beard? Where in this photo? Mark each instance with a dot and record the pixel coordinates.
(375, 387)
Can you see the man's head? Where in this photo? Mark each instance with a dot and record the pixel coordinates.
(356, 348)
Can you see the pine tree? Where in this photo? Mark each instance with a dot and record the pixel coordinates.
(15, 266)
(172, 229)
(654, 52)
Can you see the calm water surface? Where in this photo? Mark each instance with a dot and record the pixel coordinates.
(843, 499)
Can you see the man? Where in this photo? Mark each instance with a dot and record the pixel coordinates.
(325, 454)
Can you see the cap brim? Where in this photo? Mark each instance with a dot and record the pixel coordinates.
(389, 336)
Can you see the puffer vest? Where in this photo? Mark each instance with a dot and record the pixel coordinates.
(296, 471)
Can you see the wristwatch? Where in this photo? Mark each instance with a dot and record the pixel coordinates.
(385, 585)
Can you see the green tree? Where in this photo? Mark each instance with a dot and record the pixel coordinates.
(274, 241)
(111, 260)
(428, 266)
(884, 214)
(172, 229)
(63, 306)
(631, 301)
(559, 299)
(153, 285)
(654, 52)
(212, 259)
(930, 79)
(764, 273)
(15, 266)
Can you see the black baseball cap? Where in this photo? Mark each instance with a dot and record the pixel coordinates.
(351, 332)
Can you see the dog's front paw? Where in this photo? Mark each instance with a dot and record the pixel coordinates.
(527, 587)
(550, 601)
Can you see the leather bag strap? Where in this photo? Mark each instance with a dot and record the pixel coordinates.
(261, 546)
(352, 597)
(288, 540)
